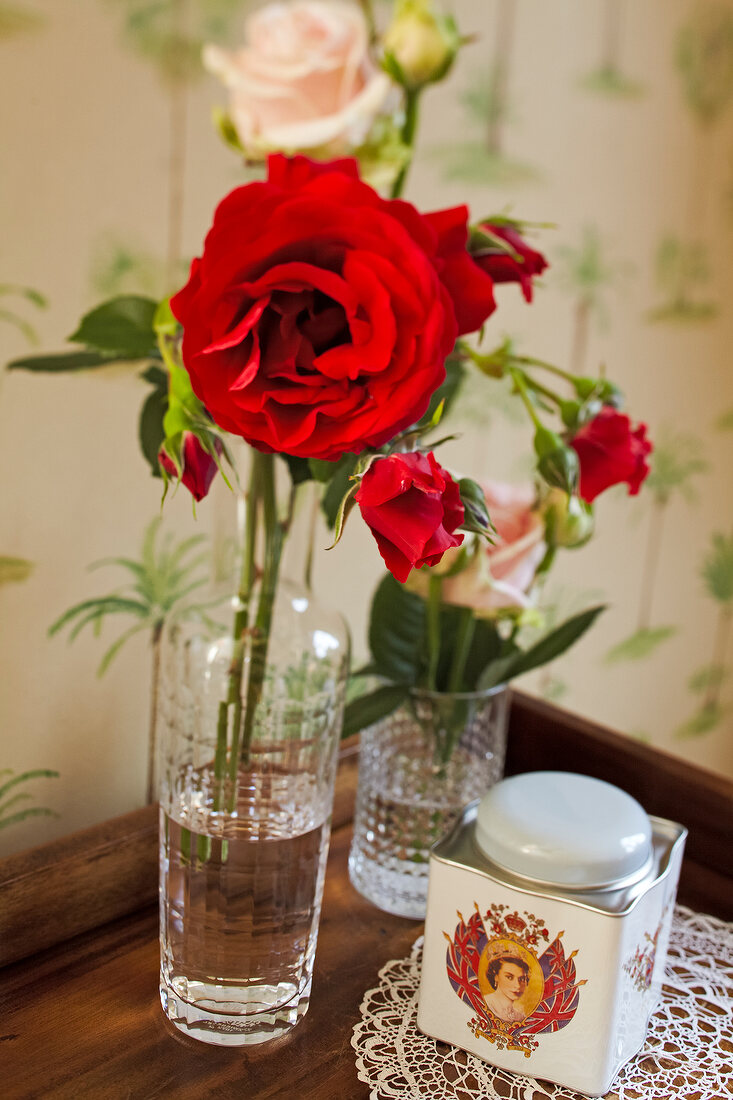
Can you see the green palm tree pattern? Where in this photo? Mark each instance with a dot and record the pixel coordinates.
(9, 314)
(587, 273)
(676, 461)
(170, 34)
(15, 19)
(14, 570)
(704, 60)
(123, 267)
(11, 799)
(483, 160)
(717, 575)
(725, 422)
(682, 270)
(159, 595)
(608, 78)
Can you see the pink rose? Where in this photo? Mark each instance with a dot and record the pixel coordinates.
(303, 79)
(502, 576)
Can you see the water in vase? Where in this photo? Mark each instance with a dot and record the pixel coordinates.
(240, 903)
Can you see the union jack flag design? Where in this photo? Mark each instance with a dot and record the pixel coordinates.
(552, 976)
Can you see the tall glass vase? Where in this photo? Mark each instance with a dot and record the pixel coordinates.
(417, 769)
(245, 811)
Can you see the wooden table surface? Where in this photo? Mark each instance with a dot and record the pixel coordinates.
(80, 1017)
(85, 1022)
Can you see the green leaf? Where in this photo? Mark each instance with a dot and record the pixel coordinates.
(339, 485)
(122, 326)
(552, 645)
(164, 321)
(226, 130)
(24, 777)
(717, 570)
(117, 646)
(486, 646)
(323, 471)
(392, 67)
(371, 708)
(704, 721)
(150, 426)
(561, 469)
(33, 811)
(103, 605)
(300, 470)
(396, 631)
(66, 361)
(476, 514)
(13, 570)
(642, 643)
(344, 511)
(447, 392)
(709, 678)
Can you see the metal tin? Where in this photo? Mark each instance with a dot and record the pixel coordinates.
(554, 980)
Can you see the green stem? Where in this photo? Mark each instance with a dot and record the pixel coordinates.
(551, 395)
(530, 361)
(241, 624)
(466, 627)
(274, 538)
(519, 380)
(312, 521)
(409, 129)
(435, 591)
(232, 705)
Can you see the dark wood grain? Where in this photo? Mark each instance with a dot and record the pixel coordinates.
(77, 883)
(84, 1022)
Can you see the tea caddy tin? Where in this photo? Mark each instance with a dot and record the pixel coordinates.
(549, 911)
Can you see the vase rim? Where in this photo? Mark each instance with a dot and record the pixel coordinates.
(481, 693)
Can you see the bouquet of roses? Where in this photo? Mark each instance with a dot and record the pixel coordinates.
(325, 325)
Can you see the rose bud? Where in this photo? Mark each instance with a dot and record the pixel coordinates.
(199, 468)
(611, 452)
(569, 520)
(519, 265)
(413, 508)
(420, 44)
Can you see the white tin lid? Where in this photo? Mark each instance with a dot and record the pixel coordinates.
(563, 829)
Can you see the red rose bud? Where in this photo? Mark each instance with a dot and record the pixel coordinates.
(520, 265)
(611, 452)
(318, 320)
(413, 507)
(199, 467)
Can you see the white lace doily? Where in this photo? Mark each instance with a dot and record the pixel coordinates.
(688, 1051)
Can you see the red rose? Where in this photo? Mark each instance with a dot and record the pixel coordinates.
(199, 467)
(470, 287)
(413, 507)
(503, 267)
(610, 451)
(316, 323)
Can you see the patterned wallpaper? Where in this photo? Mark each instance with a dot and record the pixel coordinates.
(608, 119)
